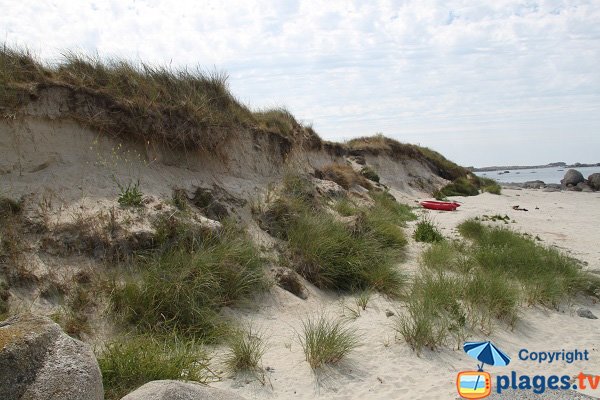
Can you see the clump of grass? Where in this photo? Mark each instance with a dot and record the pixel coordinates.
(489, 185)
(427, 232)
(370, 174)
(433, 312)
(449, 256)
(325, 340)
(363, 299)
(130, 195)
(401, 213)
(468, 185)
(4, 296)
(345, 207)
(246, 349)
(344, 175)
(491, 295)
(180, 199)
(330, 255)
(131, 362)
(547, 275)
(182, 288)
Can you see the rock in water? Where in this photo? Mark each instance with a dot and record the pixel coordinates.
(38, 361)
(594, 181)
(178, 390)
(585, 313)
(572, 177)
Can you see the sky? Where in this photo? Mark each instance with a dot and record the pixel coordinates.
(497, 82)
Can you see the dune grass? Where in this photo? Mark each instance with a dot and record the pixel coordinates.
(344, 175)
(182, 287)
(469, 285)
(548, 276)
(246, 347)
(427, 232)
(469, 185)
(326, 340)
(379, 144)
(335, 255)
(130, 362)
(181, 108)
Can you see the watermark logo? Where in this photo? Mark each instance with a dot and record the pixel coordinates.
(478, 384)
(474, 384)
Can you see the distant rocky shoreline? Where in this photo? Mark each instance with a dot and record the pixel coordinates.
(551, 165)
(572, 181)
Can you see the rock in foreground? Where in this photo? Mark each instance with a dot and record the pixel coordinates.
(178, 390)
(38, 361)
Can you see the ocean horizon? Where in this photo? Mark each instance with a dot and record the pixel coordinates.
(546, 174)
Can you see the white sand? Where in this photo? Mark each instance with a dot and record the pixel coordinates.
(386, 368)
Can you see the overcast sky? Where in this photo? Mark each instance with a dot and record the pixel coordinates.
(496, 82)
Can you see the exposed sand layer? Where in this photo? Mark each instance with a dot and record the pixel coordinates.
(386, 368)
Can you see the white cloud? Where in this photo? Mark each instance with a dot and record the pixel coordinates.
(455, 75)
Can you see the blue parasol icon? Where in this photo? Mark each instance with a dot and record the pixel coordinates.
(487, 353)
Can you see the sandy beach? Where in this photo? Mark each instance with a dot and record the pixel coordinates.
(384, 367)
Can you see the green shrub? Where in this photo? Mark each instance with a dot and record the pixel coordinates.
(326, 341)
(131, 362)
(246, 348)
(370, 174)
(427, 232)
(181, 289)
(130, 195)
(400, 213)
(459, 187)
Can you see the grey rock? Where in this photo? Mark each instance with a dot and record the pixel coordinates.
(329, 188)
(551, 189)
(572, 177)
(389, 313)
(38, 361)
(179, 390)
(594, 181)
(585, 313)
(534, 185)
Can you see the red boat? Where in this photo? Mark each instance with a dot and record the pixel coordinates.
(440, 205)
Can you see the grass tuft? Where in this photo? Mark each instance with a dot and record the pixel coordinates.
(129, 363)
(246, 348)
(427, 232)
(344, 175)
(130, 195)
(326, 341)
(181, 288)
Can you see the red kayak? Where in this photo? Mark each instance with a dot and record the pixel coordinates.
(440, 205)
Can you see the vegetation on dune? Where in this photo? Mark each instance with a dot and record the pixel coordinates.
(379, 144)
(181, 108)
(337, 255)
(344, 175)
(326, 340)
(182, 287)
(469, 285)
(547, 275)
(426, 231)
(245, 350)
(468, 186)
(131, 362)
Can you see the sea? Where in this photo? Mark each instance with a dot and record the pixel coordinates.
(548, 175)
